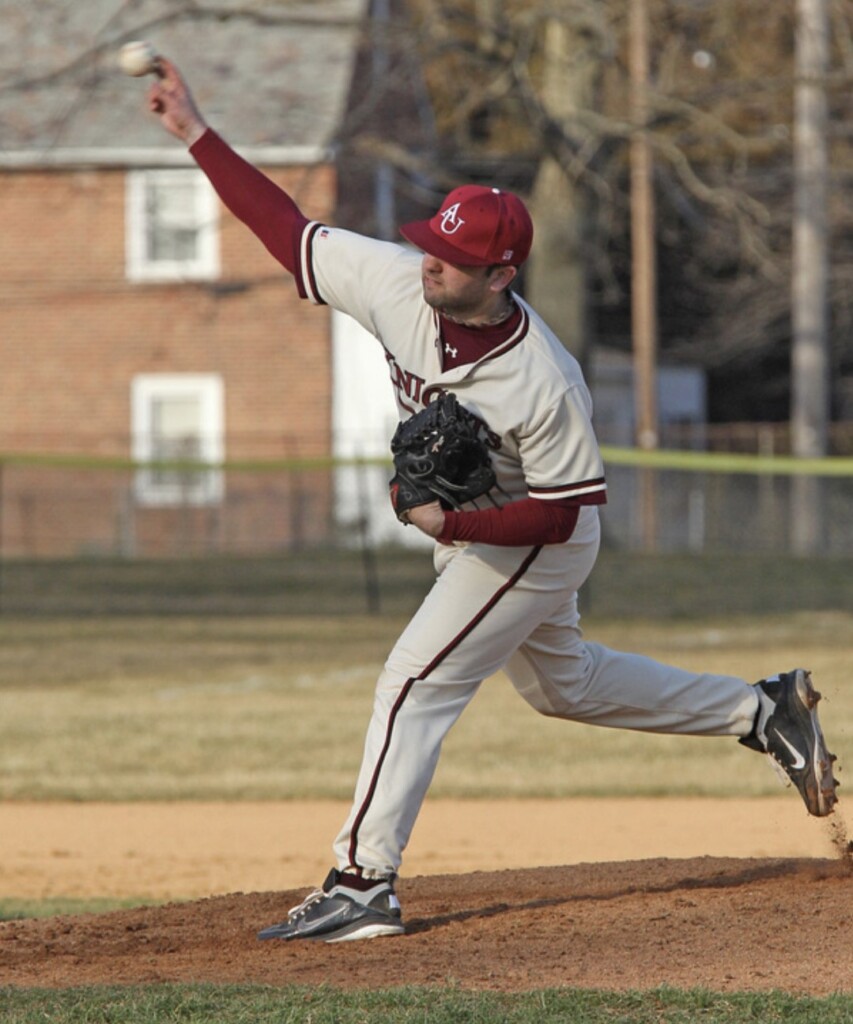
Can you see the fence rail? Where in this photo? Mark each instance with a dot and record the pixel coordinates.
(71, 506)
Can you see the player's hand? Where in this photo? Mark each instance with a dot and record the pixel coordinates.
(170, 98)
(429, 519)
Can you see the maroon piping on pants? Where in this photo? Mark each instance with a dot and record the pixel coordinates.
(401, 699)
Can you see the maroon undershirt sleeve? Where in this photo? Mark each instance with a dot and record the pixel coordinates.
(267, 210)
(529, 521)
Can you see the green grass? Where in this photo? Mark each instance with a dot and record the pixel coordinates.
(311, 581)
(230, 708)
(333, 581)
(26, 909)
(208, 1004)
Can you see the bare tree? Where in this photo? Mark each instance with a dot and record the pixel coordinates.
(720, 115)
(537, 96)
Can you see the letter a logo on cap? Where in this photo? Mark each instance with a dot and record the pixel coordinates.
(495, 228)
(451, 222)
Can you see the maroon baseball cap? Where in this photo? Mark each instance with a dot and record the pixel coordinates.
(475, 227)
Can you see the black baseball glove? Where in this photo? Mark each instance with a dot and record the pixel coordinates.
(439, 454)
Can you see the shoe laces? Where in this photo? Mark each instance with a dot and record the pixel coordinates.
(302, 908)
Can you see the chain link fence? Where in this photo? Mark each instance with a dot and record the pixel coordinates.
(85, 535)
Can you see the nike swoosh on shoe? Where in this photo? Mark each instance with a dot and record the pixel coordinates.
(799, 761)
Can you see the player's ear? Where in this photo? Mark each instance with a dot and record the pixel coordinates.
(501, 277)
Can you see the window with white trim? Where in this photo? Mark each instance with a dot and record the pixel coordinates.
(172, 226)
(178, 418)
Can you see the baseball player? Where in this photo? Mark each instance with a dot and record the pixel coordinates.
(505, 597)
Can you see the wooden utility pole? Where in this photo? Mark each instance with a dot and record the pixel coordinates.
(644, 324)
(644, 276)
(810, 387)
(557, 273)
(384, 176)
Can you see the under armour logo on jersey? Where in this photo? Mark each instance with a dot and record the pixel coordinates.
(451, 222)
(448, 348)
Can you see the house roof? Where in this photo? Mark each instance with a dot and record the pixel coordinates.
(271, 76)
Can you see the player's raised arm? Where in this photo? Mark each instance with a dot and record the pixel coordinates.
(170, 98)
(267, 210)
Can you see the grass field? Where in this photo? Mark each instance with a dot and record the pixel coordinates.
(207, 1004)
(334, 581)
(121, 707)
(212, 708)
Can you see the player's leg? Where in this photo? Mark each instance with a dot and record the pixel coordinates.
(410, 719)
(561, 675)
(465, 630)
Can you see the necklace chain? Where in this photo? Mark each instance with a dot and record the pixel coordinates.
(499, 318)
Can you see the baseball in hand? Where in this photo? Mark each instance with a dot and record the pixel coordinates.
(138, 58)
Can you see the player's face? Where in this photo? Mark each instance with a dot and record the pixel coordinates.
(463, 292)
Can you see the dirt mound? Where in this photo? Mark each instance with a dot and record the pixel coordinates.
(720, 923)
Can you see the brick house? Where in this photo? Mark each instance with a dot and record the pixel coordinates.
(138, 319)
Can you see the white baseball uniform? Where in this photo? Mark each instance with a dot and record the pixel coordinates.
(492, 608)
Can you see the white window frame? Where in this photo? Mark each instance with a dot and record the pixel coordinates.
(152, 486)
(203, 218)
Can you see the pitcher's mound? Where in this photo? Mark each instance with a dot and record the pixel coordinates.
(718, 923)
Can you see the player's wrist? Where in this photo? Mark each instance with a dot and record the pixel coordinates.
(447, 533)
(428, 518)
(193, 132)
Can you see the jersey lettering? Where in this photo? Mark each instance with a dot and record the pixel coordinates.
(489, 437)
(406, 383)
(433, 392)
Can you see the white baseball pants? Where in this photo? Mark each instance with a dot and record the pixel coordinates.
(515, 609)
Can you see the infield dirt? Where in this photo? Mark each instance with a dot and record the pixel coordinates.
(767, 907)
(724, 924)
